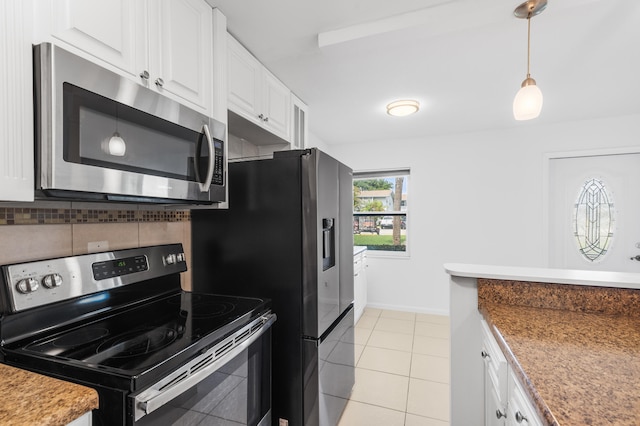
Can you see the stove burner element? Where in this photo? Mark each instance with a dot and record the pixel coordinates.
(212, 309)
(79, 337)
(203, 307)
(135, 343)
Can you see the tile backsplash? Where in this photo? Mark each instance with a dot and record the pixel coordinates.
(32, 233)
(41, 216)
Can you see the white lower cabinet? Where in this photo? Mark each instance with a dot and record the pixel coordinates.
(505, 402)
(520, 410)
(84, 420)
(359, 284)
(495, 379)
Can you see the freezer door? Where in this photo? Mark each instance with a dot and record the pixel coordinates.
(329, 373)
(336, 357)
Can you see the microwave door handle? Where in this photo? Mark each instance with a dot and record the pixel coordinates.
(204, 186)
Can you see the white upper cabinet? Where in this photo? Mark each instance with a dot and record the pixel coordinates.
(16, 102)
(244, 81)
(181, 49)
(112, 31)
(165, 45)
(219, 70)
(299, 123)
(256, 94)
(276, 105)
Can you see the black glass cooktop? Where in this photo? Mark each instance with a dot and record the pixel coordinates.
(141, 338)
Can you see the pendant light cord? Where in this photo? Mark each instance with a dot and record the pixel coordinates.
(528, 44)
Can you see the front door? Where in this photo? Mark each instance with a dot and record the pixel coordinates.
(594, 212)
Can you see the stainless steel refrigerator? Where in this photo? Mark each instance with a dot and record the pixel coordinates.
(288, 236)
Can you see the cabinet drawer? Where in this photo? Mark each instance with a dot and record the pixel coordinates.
(357, 265)
(496, 366)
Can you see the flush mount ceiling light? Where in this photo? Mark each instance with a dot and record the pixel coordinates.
(528, 101)
(402, 108)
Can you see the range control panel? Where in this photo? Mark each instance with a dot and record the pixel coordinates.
(118, 267)
(43, 282)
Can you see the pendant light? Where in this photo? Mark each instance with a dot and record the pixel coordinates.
(528, 101)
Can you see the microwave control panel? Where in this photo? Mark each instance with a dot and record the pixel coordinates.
(218, 163)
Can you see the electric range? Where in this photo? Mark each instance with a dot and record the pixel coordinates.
(119, 322)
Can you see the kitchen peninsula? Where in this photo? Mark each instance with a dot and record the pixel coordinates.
(571, 340)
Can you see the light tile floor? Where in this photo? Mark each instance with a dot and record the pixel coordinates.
(402, 370)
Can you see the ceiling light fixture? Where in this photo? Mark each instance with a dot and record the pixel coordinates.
(528, 101)
(402, 108)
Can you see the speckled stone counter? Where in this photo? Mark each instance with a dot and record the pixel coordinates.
(37, 400)
(576, 349)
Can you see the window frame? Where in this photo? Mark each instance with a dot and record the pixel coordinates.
(383, 174)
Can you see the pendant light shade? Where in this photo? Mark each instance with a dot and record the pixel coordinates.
(116, 146)
(527, 104)
(528, 101)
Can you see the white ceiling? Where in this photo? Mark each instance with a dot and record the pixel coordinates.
(463, 60)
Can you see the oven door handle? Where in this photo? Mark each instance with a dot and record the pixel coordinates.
(164, 391)
(204, 186)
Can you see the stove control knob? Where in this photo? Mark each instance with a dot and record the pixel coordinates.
(52, 280)
(170, 259)
(27, 285)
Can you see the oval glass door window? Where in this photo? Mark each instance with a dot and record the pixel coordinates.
(594, 220)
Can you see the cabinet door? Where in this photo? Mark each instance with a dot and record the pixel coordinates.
(494, 410)
(181, 50)
(521, 411)
(276, 105)
(112, 31)
(16, 102)
(219, 71)
(299, 123)
(358, 302)
(359, 283)
(495, 379)
(244, 82)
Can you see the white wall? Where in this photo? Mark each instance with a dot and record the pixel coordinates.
(474, 198)
(315, 142)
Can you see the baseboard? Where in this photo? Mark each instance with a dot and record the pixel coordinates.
(407, 309)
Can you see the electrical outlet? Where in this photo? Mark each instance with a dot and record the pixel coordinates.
(96, 246)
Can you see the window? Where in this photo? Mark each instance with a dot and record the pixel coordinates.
(380, 210)
(593, 220)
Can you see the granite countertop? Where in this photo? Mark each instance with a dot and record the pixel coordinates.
(36, 400)
(576, 349)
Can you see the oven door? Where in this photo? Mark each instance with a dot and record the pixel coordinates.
(233, 387)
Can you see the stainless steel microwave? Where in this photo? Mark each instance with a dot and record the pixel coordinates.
(103, 137)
